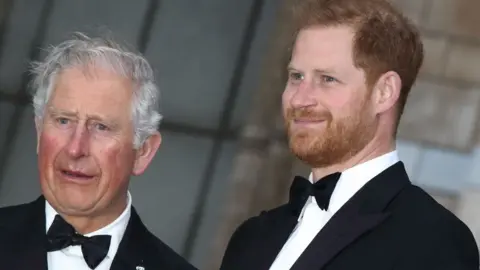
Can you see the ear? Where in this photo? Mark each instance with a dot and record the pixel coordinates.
(38, 128)
(146, 153)
(387, 91)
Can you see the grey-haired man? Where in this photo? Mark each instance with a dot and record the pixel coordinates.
(96, 118)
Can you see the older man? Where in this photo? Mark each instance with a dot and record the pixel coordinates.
(351, 69)
(96, 118)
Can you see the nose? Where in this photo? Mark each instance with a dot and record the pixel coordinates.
(78, 145)
(303, 96)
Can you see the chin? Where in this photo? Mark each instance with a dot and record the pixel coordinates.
(304, 142)
(74, 209)
(302, 151)
(73, 202)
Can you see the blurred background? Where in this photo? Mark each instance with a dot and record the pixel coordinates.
(220, 65)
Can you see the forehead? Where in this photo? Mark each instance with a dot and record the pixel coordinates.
(324, 46)
(92, 90)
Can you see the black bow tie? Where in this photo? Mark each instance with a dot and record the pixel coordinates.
(322, 190)
(62, 235)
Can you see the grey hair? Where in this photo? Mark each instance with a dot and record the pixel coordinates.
(83, 51)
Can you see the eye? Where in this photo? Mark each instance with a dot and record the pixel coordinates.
(295, 76)
(328, 79)
(62, 121)
(101, 127)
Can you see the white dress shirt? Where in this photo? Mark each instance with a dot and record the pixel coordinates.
(71, 258)
(312, 219)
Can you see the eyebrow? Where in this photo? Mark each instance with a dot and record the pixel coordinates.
(324, 71)
(317, 70)
(291, 68)
(112, 123)
(57, 112)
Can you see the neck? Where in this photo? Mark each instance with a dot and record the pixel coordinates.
(87, 223)
(373, 149)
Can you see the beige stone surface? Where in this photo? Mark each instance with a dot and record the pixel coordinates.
(261, 157)
(468, 210)
(413, 9)
(448, 200)
(435, 54)
(272, 189)
(440, 114)
(248, 165)
(463, 62)
(300, 168)
(456, 17)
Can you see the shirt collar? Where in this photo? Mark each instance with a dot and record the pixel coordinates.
(116, 229)
(354, 178)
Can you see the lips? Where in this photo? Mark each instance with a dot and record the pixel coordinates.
(79, 175)
(307, 120)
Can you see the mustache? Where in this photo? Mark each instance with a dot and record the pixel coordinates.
(306, 113)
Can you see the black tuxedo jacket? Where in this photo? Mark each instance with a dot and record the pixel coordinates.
(389, 224)
(23, 238)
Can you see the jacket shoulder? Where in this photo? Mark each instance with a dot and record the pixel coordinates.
(432, 232)
(425, 210)
(433, 228)
(264, 218)
(17, 213)
(251, 229)
(173, 259)
(140, 242)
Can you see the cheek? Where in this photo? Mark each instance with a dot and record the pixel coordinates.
(341, 102)
(286, 97)
(345, 105)
(353, 113)
(116, 161)
(288, 92)
(48, 147)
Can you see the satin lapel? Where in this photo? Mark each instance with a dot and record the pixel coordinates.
(134, 246)
(26, 238)
(335, 236)
(361, 214)
(275, 231)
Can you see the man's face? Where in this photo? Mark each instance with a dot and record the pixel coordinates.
(326, 102)
(85, 142)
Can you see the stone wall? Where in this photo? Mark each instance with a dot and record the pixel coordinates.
(263, 162)
(443, 109)
(444, 104)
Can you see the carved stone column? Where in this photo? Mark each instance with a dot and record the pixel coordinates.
(272, 189)
(262, 155)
